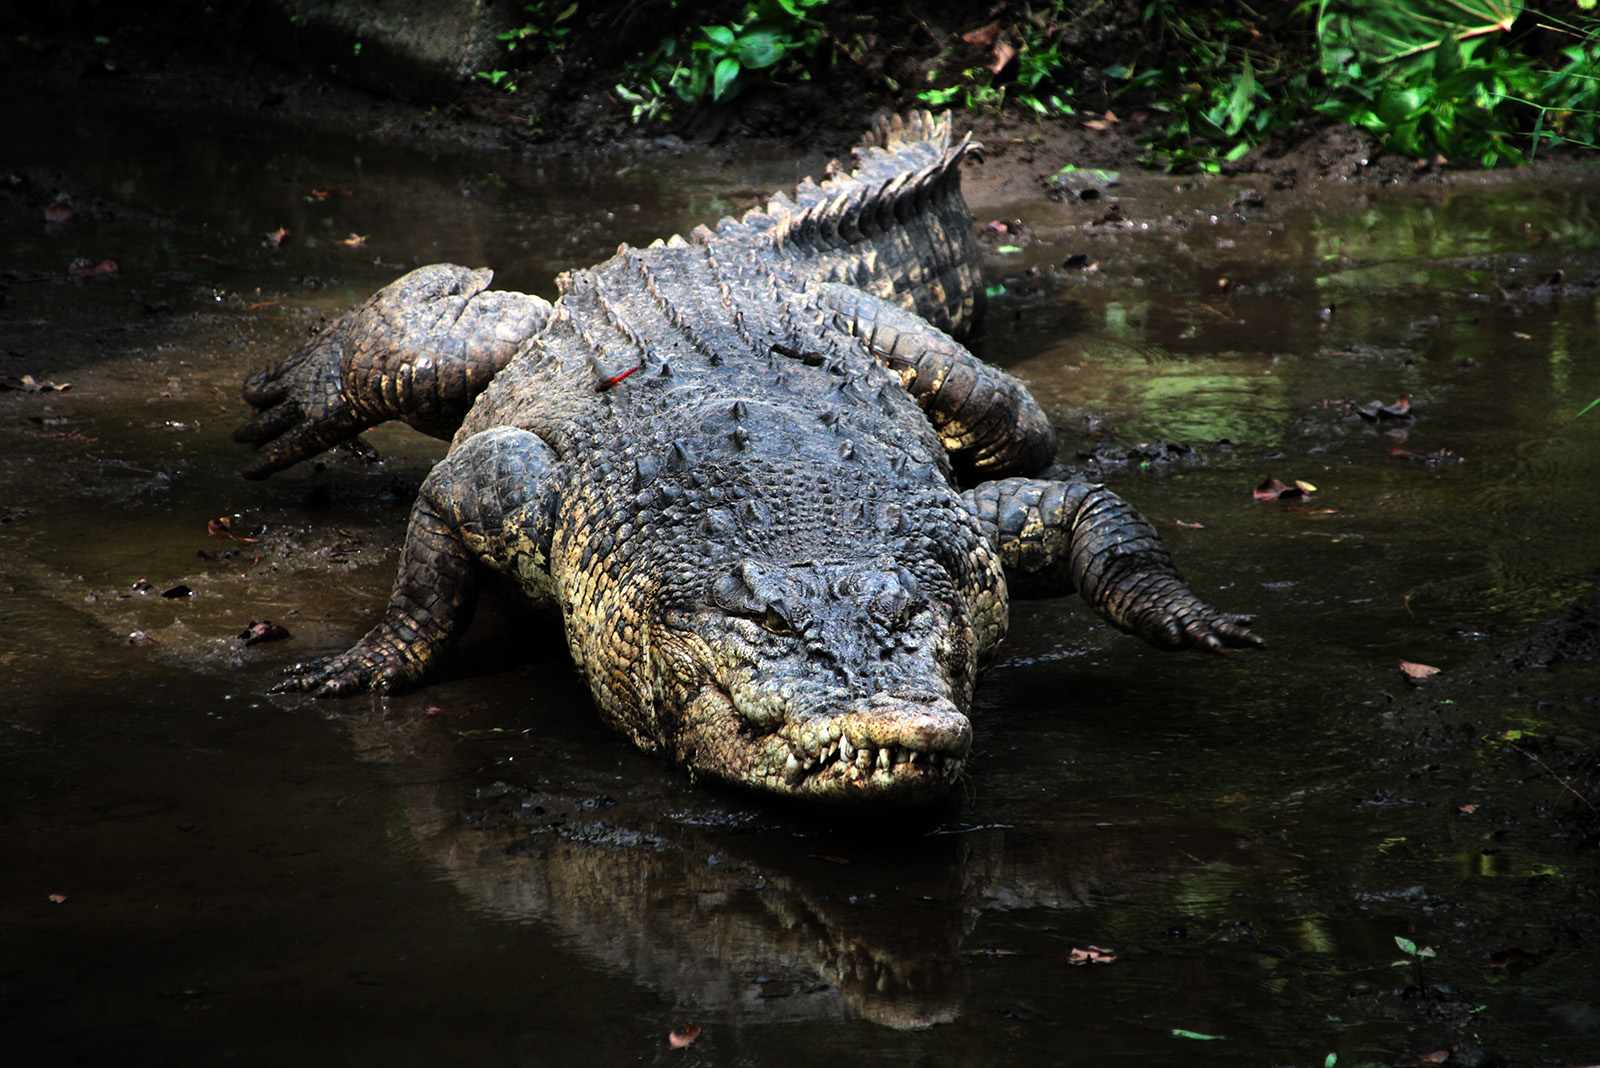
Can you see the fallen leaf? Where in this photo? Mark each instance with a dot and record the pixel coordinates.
(58, 898)
(1190, 526)
(274, 238)
(1514, 960)
(1273, 490)
(29, 384)
(1468, 809)
(681, 1038)
(1004, 53)
(262, 630)
(984, 36)
(1417, 671)
(354, 240)
(1098, 124)
(1178, 1032)
(82, 268)
(1437, 458)
(218, 525)
(1376, 412)
(1092, 955)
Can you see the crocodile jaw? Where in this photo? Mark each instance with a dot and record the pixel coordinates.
(884, 751)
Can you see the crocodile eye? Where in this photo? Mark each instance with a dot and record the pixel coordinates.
(774, 623)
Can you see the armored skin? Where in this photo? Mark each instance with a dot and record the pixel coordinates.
(779, 507)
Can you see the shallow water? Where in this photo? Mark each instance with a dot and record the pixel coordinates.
(479, 870)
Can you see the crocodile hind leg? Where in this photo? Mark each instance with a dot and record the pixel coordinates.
(490, 500)
(420, 350)
(988, 421)
(1057, 537)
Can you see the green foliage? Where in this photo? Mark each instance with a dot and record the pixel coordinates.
(717, 62)
(1457, 79)
(546, 32)
(1038, 81)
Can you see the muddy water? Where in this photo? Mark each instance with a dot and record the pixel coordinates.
(479, 871)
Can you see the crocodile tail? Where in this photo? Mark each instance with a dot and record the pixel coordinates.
(897, 226)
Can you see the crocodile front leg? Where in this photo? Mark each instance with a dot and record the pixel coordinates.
(420, 350)
(988, 421)
(1057, 537)
(491, 501)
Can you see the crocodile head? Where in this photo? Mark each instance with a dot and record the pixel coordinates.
(831, 682)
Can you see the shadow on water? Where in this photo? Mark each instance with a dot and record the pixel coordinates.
(480, 870)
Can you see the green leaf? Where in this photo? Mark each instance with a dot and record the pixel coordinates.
(721, 35)
(1331, 1060)
(1178, 1032)
(760, 49)
(1243, 99)
(1590, 406)
(727, 74)
(1407, 946)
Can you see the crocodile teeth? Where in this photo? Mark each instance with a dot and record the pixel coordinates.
(863, 759)
(884, 759)
(846, 750)
(792, 770)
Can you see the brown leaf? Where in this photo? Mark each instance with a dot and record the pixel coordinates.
(1273, 490)
(1098, 124)
(262, 630)
(354, 240)
(683, 1036)
(1092, 955)
(1417, 671)
(1190, 526)
(1514, 959)
(58, 898)
(1467, 809)
(218, 525)
(984, 36)
(1004, 53)
(82, 268)
(274, 238)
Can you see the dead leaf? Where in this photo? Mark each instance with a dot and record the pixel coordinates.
(262, 630)
(1098, 124)
(1514, 960)
(274, 238)
(984, 36)
(354, 240)
(1273, 490)
(1467, 809)
(1004, 53)
(1376, 412)
(1417, 671)
(1190, 526)
(58, 898)
(683, 1036)
(29, 384)
(1092, 955)
(82, 268)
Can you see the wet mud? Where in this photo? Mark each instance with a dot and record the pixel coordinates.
(1154, 859)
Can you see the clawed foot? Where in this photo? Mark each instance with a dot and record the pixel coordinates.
(1203, 627)
(1172, 617)
(342, 675)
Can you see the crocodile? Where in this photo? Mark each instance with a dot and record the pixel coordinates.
(778, 505)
